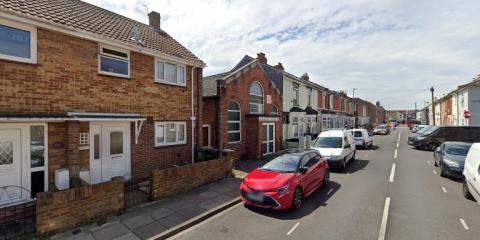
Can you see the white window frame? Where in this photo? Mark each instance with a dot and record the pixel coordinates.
(309, 92)
(115, 57)
(258, 104)
(235, 121)
(177, 65)
(33, 41)
(177, 142)
(324, 102)
(296, 95)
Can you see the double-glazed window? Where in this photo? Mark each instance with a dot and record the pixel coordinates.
(256, 98)
(114, 62)
(296, 94)
(170, 133)
(169, 73)
(233, 122)
(18, 42)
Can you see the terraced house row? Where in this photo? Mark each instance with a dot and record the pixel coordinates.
(88, 95)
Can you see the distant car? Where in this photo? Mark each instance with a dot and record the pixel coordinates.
(450, 157)
(417, 128)
(471, 173)
(285, 181)
(436, 135)
(337, 146)
(381, 130)
(362, 138)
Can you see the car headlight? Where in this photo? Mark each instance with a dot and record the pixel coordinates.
(450, 163)
(283, 190)
(420, 138)
(334, 157)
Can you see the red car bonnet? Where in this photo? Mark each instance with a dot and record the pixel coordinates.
(267, 180)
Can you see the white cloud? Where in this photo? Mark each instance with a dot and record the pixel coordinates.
(391, 51)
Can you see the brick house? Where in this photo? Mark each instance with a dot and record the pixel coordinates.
(242, 109)
(92, 92)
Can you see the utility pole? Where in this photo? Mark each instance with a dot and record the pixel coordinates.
(433, 106)
(354, 110)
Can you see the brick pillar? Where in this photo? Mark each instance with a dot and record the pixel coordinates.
(73, 156)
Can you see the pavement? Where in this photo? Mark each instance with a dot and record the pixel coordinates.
(155, 218)
(372, 199)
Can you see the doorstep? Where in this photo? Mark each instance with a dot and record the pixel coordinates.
(163, 216)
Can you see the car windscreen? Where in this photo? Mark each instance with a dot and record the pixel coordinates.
(328, 142)
(460, 150)
(430, 130)
(358, 134)
(381, 127)
(283, 163)
(424, 129)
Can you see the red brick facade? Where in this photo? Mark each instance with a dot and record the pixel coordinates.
(66, 79)
(237, 89)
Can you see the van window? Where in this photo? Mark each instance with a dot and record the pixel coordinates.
(358, 134)
(328, 142)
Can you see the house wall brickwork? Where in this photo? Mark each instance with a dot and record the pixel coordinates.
(209, 117)
(170, 181)
(66, 79)
(66, 209)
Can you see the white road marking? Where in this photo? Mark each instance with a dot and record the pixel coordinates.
(383, 226)
(398, 144)
(293, 228)
(428, 162)
(330, 191)
(395, 155)
(392, 173)
(434, 172)
(464, 224)
(444, 189)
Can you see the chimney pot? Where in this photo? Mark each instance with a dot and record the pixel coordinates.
(279, 66)
(154, 20)
(261, 57)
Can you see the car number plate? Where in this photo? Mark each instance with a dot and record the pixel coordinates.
(255, 197)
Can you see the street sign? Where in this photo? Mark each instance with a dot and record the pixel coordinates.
(467, 114)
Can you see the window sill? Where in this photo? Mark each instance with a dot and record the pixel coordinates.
(170, 83)
(171, 145)
(33, 63)
(114, 75)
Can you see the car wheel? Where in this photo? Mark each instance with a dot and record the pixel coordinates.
(297, 198)
(466, 192)
(442, 170)
(344, 165)
(326, 177)
(435, 162)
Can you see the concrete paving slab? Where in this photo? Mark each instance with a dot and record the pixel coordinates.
(149, 230)
(137, 220)
(160, 212)
(208, 194)
(172, 220)
(110, 232)
(128, 236)
(192, 211)
(209, 204)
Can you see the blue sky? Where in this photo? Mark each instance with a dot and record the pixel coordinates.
(392, 51)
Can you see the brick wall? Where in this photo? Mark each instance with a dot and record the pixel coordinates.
(336, 103)
(66, 209)
(174, 180)
(66, 79)
(209, 117)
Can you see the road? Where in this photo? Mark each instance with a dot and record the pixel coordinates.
(390, 192)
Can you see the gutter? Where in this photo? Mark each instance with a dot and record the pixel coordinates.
(193, 118)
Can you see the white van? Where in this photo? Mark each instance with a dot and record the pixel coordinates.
(361, 137)
(337, 146)
(471, 172)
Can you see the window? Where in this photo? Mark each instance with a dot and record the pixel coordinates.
(462, 101)
(18, 42)
(233, 122)
(37, 146)
(295, 127)
(296, 94)
(311, 122)
(324, 101)
(170, 133)
(309, 90)
(83, 138)
(256, 98)
(96, 146)
(169, 73)
(116, 143)
(331, 102)
(6, 153)
(114, 62)
(274, 111)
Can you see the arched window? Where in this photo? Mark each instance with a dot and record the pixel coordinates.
(274, 111)
(233, 122)
(256, 98)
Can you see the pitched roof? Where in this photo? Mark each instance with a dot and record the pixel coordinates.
(82, 16)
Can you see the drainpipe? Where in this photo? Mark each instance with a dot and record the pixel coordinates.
(193, 118)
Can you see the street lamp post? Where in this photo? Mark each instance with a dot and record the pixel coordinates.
(433, 106)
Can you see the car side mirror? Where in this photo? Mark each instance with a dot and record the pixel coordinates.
(303, 170)
(437, 149)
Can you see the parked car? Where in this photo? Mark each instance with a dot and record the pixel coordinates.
(362, 138)
(436, 135)
(286, 180)
(337, 146)
(471, 173)
(381, 130)
(417, 128)
(450, 157)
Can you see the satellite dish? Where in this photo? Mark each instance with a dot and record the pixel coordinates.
(136, 35)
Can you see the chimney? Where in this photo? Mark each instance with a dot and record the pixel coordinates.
(154, 20)
(261, 57)
(279, 66)
(305, 77)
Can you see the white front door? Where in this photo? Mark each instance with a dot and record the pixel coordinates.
(10, 166)
(109, 151)
(268, 138)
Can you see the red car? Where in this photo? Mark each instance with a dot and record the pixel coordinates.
(285, 181)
